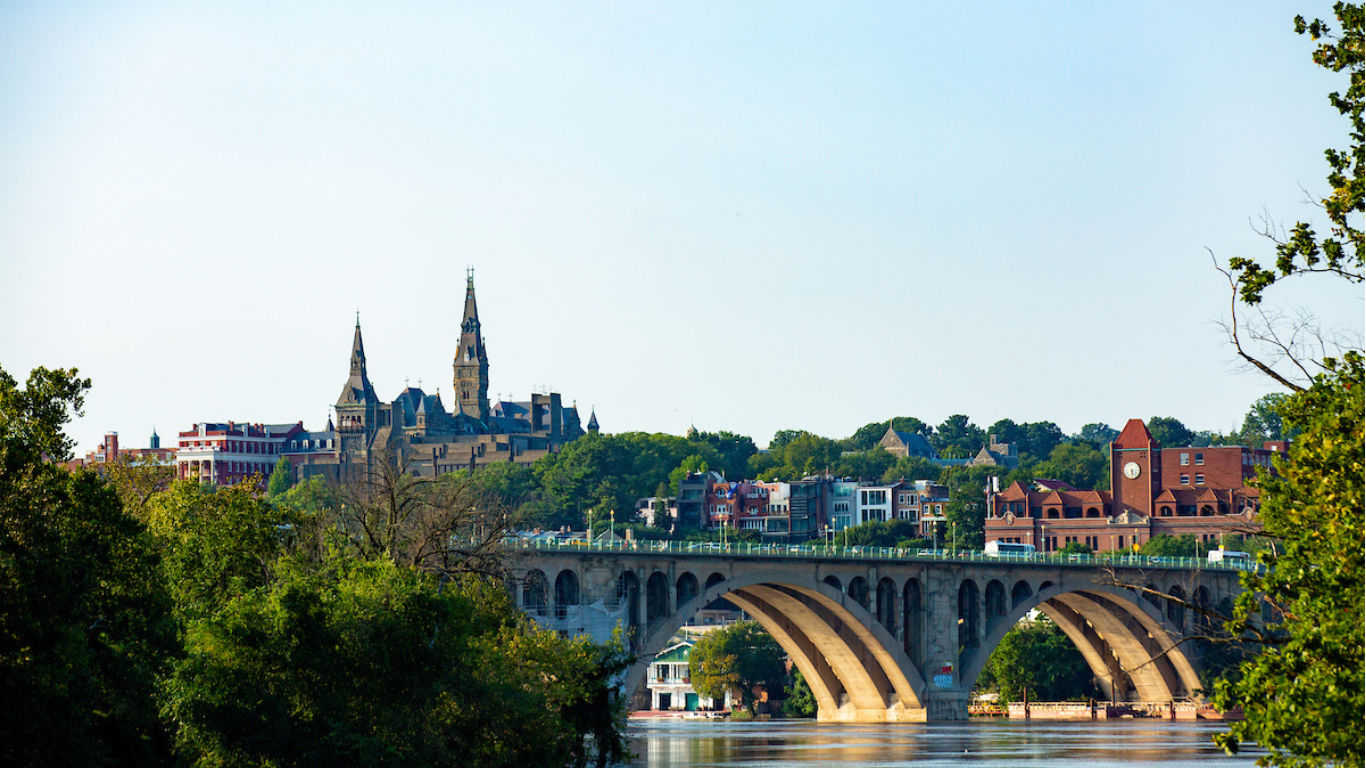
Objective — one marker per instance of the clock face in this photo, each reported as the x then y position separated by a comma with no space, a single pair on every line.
1132,470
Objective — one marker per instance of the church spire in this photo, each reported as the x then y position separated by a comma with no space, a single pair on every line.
357,351
471,360
357,389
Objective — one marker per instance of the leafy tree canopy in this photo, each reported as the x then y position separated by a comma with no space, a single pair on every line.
958,436
1303,695
1098,435
1038,656
85,617
737,658
1170,432
868,435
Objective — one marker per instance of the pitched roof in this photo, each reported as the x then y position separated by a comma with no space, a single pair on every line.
1135,435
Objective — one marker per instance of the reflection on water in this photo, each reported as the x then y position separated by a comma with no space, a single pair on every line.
983,743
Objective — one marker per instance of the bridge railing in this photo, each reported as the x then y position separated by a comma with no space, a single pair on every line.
802,551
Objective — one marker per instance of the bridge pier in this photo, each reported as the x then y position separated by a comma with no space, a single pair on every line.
939,706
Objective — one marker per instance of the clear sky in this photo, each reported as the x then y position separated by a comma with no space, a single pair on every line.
743,216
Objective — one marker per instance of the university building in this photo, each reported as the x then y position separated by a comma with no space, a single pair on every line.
1155,491
415,429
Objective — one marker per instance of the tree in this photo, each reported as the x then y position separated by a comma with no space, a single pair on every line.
1303,695
805,454
734,450
281,478
966,511
1037,656
783,437
738,659
1170,546
868,435
1264,422
1098,435
85,622
1170,432
1077,464
958,436
871,464
365,662
798,699
912,468
1037,439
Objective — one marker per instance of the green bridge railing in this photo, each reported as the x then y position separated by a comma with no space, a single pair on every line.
802,551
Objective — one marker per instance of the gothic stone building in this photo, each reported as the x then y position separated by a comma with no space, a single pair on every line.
416,429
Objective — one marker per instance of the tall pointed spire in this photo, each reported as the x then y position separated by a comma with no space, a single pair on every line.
471,360
357,351
357,387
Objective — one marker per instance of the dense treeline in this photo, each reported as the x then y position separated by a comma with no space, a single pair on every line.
604,476
151,622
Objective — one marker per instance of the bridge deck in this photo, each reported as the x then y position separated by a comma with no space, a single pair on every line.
804,552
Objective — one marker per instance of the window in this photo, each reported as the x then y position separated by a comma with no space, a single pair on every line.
1185,459
1185,479
1199,479
1199,459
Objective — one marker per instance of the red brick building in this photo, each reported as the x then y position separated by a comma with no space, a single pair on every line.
1154,491
227,454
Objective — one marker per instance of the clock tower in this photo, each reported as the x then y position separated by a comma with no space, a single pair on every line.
471,361
1135,469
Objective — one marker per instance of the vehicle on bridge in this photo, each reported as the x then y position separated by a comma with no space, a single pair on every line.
996,548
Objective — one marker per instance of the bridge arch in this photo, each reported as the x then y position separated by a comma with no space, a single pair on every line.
915,649
856,669
685,588
566,593
1124,639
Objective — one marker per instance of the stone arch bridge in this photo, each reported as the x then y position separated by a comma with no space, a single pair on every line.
886,635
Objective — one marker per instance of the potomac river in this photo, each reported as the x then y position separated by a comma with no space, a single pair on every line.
986,743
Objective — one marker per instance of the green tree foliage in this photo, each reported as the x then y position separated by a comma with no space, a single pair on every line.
1165,545
868,435
612,472
1170,432
890,533
1075,548
1036,439
1098,435
966,511
738,659
1038,656
732,449
871,464
798,700
912,468
958,436
1303,695
1264,422
219,543
363,662
281,478
783,437
85,622
805,454
1078,464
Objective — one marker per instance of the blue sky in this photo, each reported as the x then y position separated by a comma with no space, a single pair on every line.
750,217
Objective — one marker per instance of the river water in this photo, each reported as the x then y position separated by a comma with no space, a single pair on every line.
982,743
